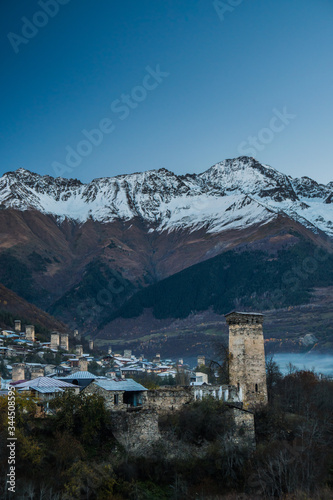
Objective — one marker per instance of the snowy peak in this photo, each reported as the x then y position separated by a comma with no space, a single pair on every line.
231,194
308,188
246,175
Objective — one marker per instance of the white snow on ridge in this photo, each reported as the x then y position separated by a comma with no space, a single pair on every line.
214,213
232,194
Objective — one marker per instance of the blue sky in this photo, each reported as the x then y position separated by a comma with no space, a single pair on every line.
173,84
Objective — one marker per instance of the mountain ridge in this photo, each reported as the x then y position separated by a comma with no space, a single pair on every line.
167,201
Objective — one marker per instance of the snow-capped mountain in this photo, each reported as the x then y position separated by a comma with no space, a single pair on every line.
231,194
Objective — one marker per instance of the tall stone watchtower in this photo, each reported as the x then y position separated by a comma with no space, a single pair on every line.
30,332
247,369
55,340
64,341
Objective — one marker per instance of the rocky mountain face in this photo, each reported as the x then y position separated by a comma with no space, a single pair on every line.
63,242
233,193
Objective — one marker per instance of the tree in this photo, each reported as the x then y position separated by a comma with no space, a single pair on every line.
273,376
220,364
81,415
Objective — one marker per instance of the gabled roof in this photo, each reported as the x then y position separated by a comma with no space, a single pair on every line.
46,390
126,384
45,382
80,375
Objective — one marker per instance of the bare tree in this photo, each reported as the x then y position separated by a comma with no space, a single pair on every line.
220,363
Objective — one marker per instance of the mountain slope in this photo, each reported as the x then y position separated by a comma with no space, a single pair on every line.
251,280
14,307
70,247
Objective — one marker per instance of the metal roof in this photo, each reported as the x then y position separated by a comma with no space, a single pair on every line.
132,368
127,384
46,390
40,382
80,375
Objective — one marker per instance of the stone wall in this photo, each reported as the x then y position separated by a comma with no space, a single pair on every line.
136,431
36,372
164,400
168,399
244,431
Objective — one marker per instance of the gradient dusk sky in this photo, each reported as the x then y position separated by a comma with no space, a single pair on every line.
185,84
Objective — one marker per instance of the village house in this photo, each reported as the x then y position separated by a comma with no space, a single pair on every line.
119,394
199,378
43,388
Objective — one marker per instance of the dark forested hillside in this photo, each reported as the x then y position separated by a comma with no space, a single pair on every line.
254,280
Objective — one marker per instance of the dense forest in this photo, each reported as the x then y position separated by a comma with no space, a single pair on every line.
254,280
73,454
99,290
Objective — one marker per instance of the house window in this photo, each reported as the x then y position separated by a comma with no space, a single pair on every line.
116,399
256,387
237,386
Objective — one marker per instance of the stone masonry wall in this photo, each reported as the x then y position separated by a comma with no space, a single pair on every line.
109,396
244,432
164,400
247,357
136,431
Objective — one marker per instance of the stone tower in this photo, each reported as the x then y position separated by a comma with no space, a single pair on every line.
18,372
17,325
247,369
30,333
79,350
201,361
83,365
64,341
77,335
55,340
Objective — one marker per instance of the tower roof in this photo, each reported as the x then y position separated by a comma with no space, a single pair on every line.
235,317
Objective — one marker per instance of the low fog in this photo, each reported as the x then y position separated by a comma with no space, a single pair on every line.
320,363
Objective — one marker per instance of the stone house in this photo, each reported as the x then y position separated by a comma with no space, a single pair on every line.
119,394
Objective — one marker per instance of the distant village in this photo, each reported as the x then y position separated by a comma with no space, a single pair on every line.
44,370
44,378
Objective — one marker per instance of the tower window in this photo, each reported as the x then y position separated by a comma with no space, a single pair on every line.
256,387
237,386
